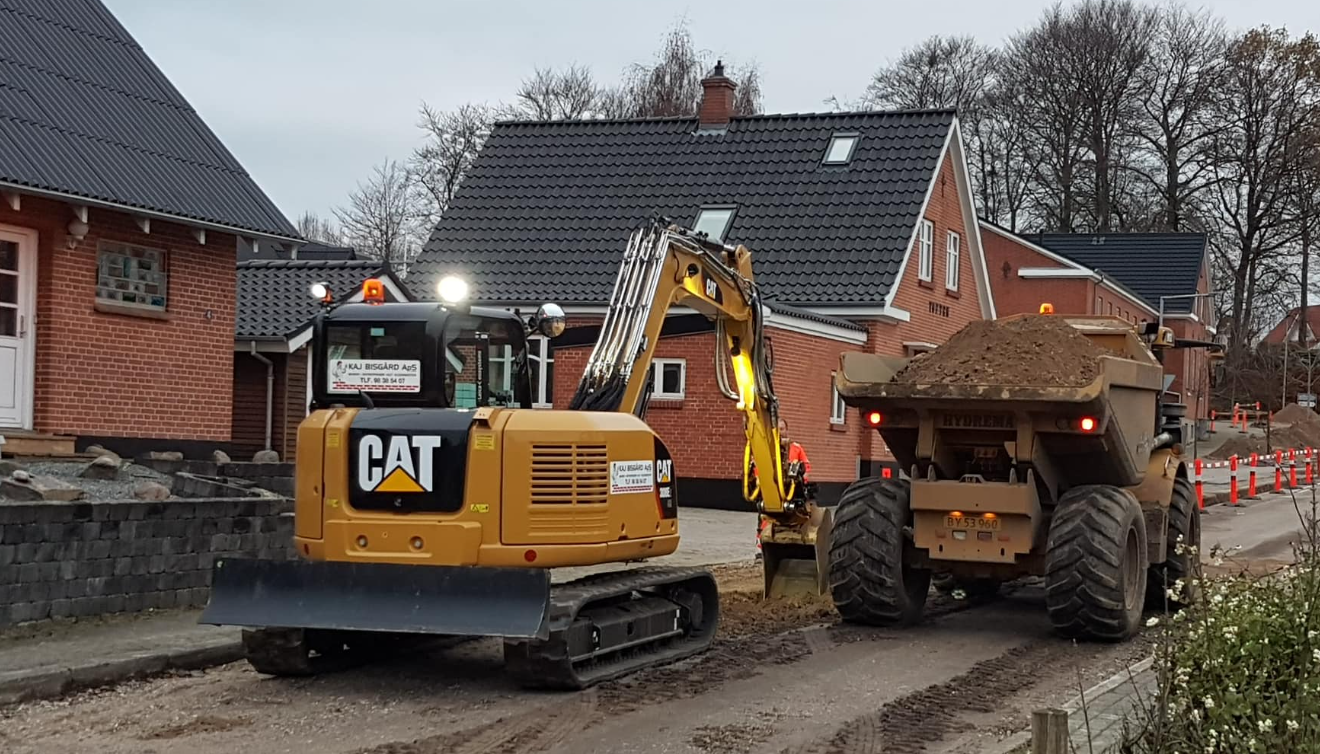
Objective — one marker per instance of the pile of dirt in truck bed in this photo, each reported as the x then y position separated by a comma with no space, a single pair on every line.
1037,351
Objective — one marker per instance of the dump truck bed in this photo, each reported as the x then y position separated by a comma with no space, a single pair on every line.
1099,432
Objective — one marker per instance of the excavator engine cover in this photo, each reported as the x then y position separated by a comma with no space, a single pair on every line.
385,597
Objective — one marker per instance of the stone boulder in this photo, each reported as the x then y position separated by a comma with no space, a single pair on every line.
165,455
29,488
105,468
266,456
7,468
151,492
220,456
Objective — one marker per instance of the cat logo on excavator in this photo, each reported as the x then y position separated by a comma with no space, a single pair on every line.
397,463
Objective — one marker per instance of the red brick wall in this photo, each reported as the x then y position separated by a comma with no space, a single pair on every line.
1017,295
113,375
705,430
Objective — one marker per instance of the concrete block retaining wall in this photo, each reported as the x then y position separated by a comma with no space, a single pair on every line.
60,560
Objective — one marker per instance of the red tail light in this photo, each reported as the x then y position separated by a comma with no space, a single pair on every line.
874,418
1088,424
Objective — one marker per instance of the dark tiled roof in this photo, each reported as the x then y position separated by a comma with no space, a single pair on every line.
792,311
1149,264
84,112
547,209
274,296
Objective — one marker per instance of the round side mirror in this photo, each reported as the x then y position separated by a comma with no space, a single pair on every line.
550,320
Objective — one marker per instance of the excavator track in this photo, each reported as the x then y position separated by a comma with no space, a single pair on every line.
609,625
304,651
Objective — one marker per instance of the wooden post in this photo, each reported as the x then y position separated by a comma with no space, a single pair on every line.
1049,731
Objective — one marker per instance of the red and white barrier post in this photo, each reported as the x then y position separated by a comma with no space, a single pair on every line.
1232,480
1200,487
1212,422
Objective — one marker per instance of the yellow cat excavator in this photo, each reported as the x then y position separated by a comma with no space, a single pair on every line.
432,500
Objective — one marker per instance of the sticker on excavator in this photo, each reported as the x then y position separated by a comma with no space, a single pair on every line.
978,421
629,477
398,464
375,375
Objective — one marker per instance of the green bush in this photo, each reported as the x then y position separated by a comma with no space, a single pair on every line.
1239,670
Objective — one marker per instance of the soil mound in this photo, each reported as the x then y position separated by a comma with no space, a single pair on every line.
1039,351
1295,414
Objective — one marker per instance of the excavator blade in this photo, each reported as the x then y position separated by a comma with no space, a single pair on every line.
387,597
796,559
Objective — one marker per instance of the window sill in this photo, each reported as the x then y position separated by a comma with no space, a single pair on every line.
666,402
838,427
952,293
926,283
106,307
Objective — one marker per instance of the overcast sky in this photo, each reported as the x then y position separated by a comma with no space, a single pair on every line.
309,94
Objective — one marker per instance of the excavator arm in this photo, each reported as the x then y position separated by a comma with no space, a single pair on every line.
664,267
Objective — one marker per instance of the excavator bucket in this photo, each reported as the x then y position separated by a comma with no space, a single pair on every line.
796,559
386,597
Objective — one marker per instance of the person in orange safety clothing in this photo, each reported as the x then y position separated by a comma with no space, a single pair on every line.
793,453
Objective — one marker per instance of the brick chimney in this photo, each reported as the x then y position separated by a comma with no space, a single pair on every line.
717,92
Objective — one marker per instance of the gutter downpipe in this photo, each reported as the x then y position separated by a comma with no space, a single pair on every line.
270,389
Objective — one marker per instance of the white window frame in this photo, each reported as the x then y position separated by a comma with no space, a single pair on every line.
952,260
539,350
926,251
657,379
505,358
838,409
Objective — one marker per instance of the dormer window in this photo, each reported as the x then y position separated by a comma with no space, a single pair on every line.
714,221
841,148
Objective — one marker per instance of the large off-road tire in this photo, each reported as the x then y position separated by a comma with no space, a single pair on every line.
1184,525
1095,564
870,578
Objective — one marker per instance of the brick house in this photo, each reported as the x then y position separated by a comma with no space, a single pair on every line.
120,217
272,336
862,228
1289,326
1115,274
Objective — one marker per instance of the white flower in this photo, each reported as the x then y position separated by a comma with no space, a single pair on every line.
1208,703
1315,654
1265,725
1312,634
1153,622
1293,726
1217,599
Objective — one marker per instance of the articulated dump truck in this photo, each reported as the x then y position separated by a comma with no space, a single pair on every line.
1031,453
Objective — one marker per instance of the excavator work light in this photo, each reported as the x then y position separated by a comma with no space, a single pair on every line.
321,292
373,291
452,289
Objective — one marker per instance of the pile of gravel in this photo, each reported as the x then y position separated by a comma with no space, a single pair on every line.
120,489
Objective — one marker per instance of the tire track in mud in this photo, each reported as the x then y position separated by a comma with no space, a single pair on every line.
908,724
782,641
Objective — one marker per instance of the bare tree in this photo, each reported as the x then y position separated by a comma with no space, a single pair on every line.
670,86
452,142
313,227
548,94
386,217
1035,80
939,72
1270,90
1182,81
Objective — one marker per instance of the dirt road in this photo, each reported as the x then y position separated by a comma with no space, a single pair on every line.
782,677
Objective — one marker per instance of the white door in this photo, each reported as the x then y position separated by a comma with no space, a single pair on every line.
18,277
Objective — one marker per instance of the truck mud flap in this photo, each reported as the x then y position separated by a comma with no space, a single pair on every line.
387,597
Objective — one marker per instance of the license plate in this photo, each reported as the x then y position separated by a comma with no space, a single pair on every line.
975,523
